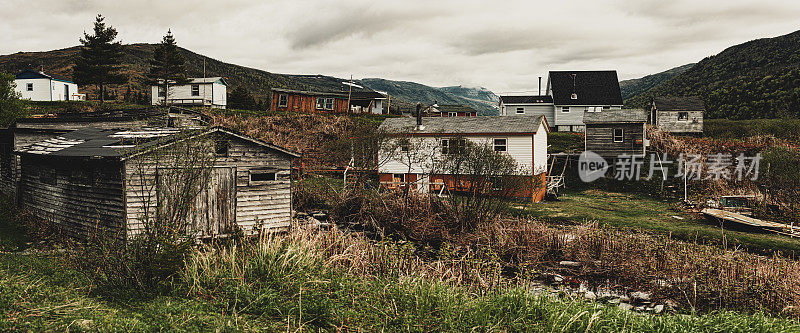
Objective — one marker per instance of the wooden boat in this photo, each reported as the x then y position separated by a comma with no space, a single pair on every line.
735,220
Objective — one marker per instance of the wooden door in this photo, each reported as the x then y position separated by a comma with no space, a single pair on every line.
213,210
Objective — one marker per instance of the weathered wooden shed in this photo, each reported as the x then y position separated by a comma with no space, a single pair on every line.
117,181
616,132
309,101
27,131
678,114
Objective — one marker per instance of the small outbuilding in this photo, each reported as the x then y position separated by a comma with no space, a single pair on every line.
38,86
678,114
616,132
121,181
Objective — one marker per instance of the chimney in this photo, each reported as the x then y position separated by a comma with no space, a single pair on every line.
540,86
419,117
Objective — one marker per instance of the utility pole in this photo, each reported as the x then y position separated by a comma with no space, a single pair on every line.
349,92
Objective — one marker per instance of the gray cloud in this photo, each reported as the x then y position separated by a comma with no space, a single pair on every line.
503,46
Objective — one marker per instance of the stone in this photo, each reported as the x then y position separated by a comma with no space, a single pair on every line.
658,308
625,306
614,301
640,296
639,308
590,295
624,298
570,263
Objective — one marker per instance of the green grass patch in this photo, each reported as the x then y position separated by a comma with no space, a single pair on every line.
639,211
565,142
737,129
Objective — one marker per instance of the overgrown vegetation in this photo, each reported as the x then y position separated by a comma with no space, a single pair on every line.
11,107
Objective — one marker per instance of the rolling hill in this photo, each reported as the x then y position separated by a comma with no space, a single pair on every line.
756,79
480,99
258,82
631,88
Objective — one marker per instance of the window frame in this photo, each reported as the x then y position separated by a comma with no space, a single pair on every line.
257,172
504,145
685,113
221,151
452,114
621,135
195,90
329,101
29,86
520,109
283,100
162,92
565,109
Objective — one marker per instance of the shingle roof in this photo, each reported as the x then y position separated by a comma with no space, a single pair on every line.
670,103
526,99
310,93
116,143
591,87
200,80
615,116
463,125
449,108
367,95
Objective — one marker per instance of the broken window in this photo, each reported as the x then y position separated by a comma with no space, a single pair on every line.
221,148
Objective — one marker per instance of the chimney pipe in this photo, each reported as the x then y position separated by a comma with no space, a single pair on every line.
419,117
540,86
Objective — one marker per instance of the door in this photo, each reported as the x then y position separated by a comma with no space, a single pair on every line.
212,212
66,92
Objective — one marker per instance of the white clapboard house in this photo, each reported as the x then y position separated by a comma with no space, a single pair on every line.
523,138
38,86
210,91
577,92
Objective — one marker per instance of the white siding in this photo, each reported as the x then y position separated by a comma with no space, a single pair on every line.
215,92
220,94
575,115
546,110
46,90
540,150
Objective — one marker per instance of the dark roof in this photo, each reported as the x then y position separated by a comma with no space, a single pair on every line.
444,108
111,115
366,95
463,125
310,93
591,87
670,103
532,99
32,74
615,116
91,142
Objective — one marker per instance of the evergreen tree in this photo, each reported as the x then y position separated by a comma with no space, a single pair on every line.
100,58
167,65
11,106
241,99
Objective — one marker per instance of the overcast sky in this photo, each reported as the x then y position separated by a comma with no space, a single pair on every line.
501,45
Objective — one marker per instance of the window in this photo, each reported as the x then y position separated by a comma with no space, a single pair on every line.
195,90
500,145
574,96
324,103
258,177
404,147
452,146
683,116
221,147
565,109
593,109
452,114
607,107
29,86
520,110
283,100
161,92
618,135
399,178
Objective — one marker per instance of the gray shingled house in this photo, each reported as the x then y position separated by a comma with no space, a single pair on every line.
678,114
616,132
115,181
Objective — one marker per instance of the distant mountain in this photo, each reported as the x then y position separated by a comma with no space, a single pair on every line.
757,79
633,87
480,98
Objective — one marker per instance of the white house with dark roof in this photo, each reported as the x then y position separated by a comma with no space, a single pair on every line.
577,92
38,86
210,91
529,105
524,138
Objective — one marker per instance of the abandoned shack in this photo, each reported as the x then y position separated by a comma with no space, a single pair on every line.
678,114
616,132
27,131
122,182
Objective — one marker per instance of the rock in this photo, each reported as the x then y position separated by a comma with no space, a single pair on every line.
658,308
570,263
640,296
590,295
614,301
556,278
625,306
84,324
639,308
624,298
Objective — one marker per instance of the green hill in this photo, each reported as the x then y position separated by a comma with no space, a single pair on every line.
478,98
633,87
757,79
